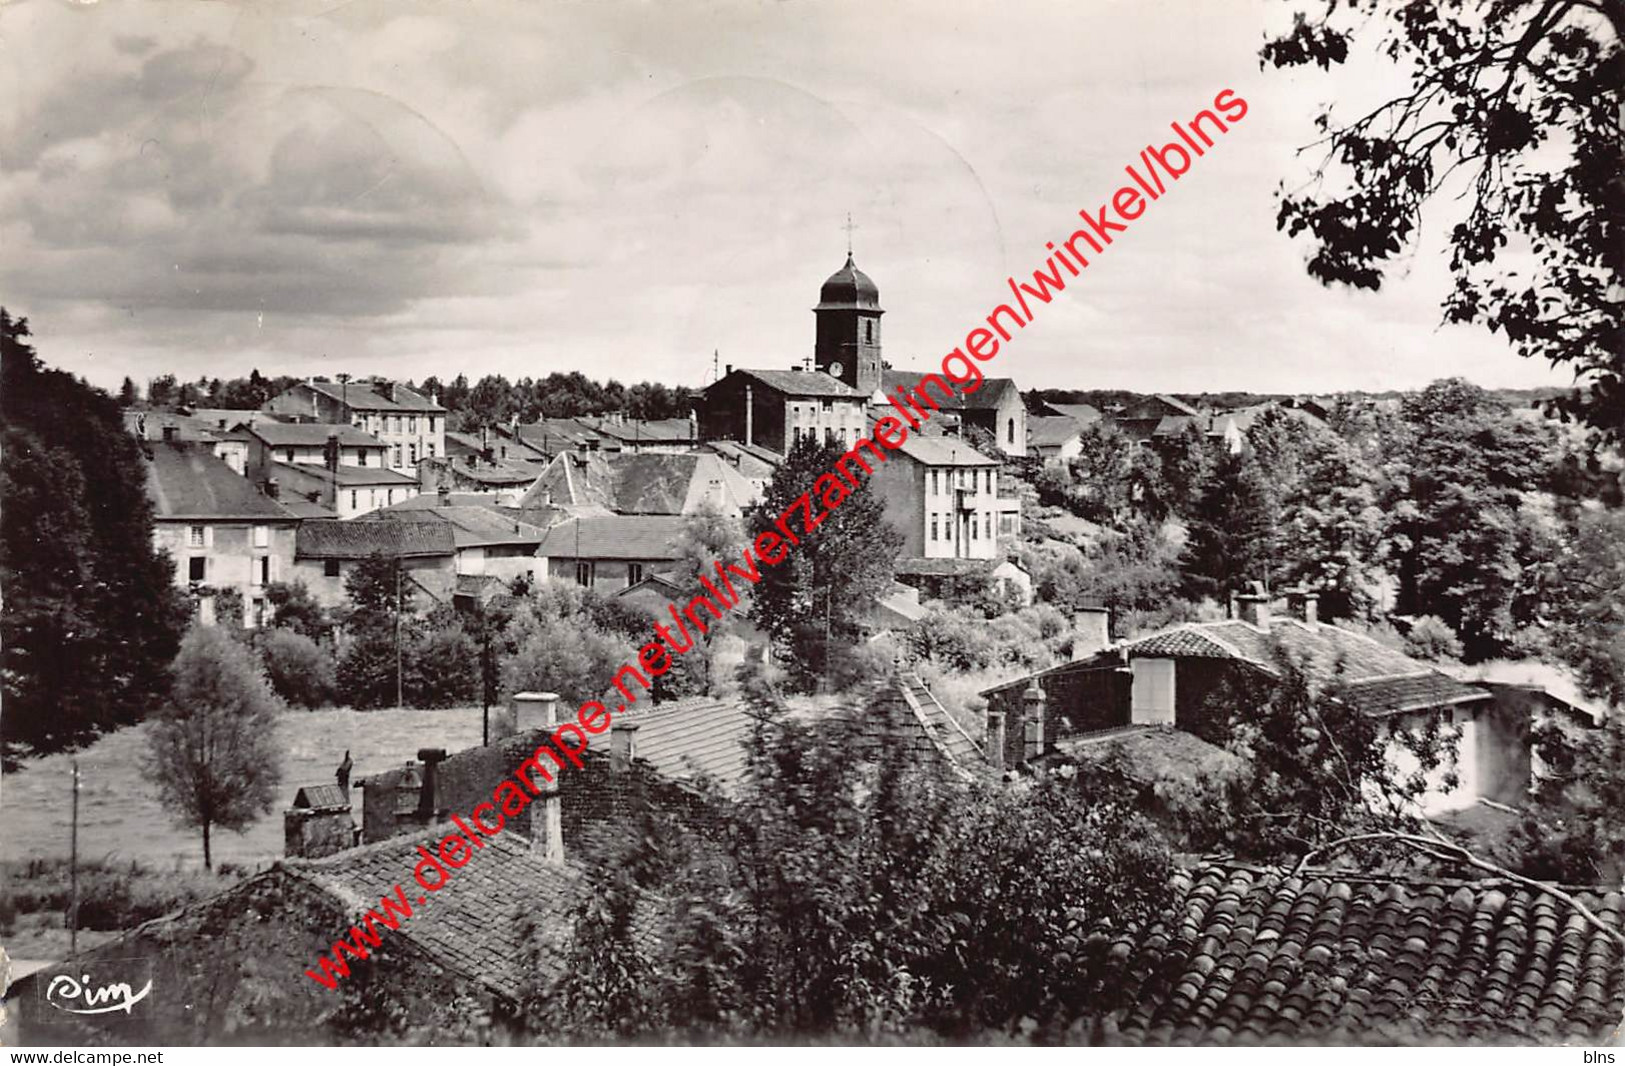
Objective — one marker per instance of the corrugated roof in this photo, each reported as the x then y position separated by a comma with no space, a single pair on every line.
691,738
804,383
1254,956
190,481
313,434
633,537
333,539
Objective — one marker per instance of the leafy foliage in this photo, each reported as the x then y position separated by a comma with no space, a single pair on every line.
1514,106
1588,604
212,753
1572,831
92,619
857,900
300,671
812,602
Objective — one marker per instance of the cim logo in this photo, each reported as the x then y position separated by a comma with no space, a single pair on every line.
79,997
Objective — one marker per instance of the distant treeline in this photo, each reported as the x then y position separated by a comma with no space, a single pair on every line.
1104,398
491,400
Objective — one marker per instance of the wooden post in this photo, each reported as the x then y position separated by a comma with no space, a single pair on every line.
73,869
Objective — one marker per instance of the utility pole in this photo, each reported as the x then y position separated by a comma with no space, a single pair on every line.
73,869
399,701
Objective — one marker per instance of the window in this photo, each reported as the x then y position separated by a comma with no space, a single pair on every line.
990,481
262,570
934,535
829,405
354,502
988,523
868,329
414,453
195,536
361,457
412,424
431,428
1010,432
257,617
197,568
430,446
634,573
287,455
331,568
262,536
936,484
972,527
397,455
584,574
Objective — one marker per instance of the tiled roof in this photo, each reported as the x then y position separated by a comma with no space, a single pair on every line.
475,924
150,425
1153,752
1256,955
347,475
646,431
1368,674
303,508
333,539
943,729
987,396
615,537
1081,413
371,396
804,383
312,796
470,526
642,483
190,481
1417,692
225,418
313,434
943,451
691,738
922,567
1050,431
428,501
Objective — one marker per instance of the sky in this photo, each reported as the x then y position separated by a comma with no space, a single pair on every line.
402,189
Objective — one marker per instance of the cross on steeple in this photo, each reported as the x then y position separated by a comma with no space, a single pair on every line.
849,229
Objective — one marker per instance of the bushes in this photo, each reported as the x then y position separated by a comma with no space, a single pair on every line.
299,669
1431,639
112,896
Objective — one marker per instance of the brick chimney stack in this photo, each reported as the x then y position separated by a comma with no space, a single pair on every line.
1032,701
1253,606
1304,605
1091,631
995,740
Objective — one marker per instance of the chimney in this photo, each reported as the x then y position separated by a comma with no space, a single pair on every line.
431,759
331,453
272,489
1092,632
547,831
1253,607
750,415
444,494
1303,604
170,434
727,369
623,746
1032,701
534,710
995,740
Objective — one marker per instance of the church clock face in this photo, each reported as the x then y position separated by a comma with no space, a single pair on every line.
836,370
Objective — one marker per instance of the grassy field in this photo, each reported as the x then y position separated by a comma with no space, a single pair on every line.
119,818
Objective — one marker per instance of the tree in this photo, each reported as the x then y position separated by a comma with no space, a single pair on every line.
558,646
1460,469
857,900
300,670
1103,473
811,603
162,390
1512,107
381,626
1233,528
212,753
92,618
1587,613
709,536
1316,767
294,608
128,394
1571,831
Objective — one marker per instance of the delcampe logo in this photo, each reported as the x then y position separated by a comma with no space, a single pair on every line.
80,997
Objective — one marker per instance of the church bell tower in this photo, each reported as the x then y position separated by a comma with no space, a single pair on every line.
848,343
